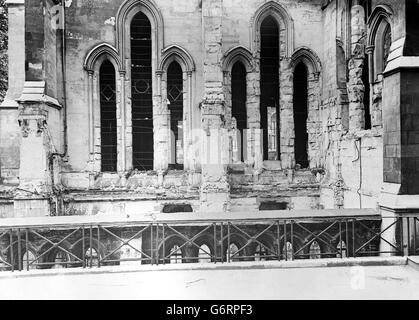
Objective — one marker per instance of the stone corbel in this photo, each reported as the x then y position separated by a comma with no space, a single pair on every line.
24,127
315,76
41,126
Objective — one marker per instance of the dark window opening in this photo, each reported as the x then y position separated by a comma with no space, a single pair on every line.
269,86
173,208
175,99
301,115
367,8
315,250
141,92
273,205
386,45
366,82
341,67
108,117
238,97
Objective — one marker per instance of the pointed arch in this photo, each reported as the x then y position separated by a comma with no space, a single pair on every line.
379,24
179,54
95,59
285,23
380,13
235,54
306,68
126,13
97,53
309,58
183,117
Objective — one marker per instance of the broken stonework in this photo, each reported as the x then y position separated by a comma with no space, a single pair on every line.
215,188
286,114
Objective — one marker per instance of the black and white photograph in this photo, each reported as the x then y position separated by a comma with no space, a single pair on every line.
209,150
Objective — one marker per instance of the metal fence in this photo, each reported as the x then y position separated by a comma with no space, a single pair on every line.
88,245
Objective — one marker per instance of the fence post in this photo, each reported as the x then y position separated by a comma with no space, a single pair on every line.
404,235
215,243
19,250
12,258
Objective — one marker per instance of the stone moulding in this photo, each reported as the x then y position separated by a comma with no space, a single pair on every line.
309,57
34,93
238,53
284,20
97,52
123,21
176,52
380,12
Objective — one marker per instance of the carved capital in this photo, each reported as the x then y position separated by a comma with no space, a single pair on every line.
32,125
24,127
41,124
369,50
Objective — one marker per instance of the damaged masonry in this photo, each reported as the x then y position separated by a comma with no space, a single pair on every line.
210,110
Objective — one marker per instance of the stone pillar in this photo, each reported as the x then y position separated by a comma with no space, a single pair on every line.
254,134
215,189
286,115
16,51
187,132
10,132
161,118
400,194
38,119
314,121
91,122
355,85
122,149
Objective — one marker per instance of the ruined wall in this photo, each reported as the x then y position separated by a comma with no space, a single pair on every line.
354,163
346,160
92,23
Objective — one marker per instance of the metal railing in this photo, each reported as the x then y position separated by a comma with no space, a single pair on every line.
88,245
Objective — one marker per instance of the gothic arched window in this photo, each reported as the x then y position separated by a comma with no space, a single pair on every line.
301,115
382,44
386,45
269,86
175,102
367,92
315,251
238,97
108,130
204,254
141,91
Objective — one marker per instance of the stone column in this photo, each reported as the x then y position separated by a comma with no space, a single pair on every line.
187,132
122,149
161,118
36,112
91,121
286,115
214,193
254,135
355,85
313,120
10,132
